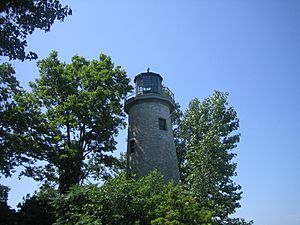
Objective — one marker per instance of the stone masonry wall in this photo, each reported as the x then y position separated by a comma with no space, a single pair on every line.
153,148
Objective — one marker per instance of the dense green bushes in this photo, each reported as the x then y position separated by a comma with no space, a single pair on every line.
126,201
118,201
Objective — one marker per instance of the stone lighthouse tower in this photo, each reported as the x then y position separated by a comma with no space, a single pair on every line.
150,136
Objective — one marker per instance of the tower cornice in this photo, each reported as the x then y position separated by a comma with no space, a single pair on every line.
152,97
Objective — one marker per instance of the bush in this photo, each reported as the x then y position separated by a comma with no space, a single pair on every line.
128,201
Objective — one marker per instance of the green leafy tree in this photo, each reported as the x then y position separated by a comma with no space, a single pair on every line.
4,194
9,88
128,201
118,201
176,118
7,215
71,118
18,19
209,129
237,221
37,209
178,207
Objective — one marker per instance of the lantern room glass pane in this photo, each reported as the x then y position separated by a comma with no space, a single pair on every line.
148,83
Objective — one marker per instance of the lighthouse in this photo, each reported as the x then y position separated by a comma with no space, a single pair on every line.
150,136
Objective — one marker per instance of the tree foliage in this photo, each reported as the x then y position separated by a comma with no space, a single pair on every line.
18,19
63,132
70,119
9,88
4,194
7,214
37,209
209,131
236,221
176,118
127,201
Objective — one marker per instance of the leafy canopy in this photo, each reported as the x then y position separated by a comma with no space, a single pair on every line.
209,133
70,119
9,88
127,201
18,19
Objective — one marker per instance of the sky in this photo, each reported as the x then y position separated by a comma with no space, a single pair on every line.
248,48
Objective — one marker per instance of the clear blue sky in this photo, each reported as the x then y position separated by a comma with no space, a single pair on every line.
250,49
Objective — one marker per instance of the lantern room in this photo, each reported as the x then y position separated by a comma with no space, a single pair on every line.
148,83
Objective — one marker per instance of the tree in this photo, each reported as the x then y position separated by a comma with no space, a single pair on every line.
236,221
128,201
70,119
7,215
176,118
209,130
37,209
178,207
9,88
18,19
4,194
118,201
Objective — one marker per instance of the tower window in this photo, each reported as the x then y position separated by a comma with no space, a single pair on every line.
131,146
162,124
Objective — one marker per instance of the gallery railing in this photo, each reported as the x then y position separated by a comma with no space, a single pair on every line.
166,92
